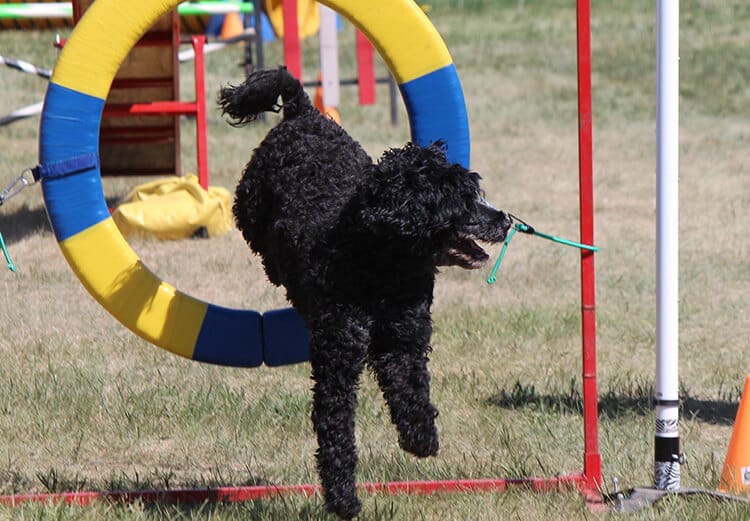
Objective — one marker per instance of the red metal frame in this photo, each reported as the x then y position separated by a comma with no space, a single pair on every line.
588,482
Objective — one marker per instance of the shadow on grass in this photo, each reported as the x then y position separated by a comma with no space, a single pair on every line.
26,221
613,403
22,223
280,507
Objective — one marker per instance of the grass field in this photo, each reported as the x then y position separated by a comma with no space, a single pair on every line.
87,405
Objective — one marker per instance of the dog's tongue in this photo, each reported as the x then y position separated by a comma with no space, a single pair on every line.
465,253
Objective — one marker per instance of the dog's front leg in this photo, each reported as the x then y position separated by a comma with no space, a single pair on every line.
398,358
338,347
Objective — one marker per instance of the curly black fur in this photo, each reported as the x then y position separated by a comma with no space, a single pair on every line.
356,245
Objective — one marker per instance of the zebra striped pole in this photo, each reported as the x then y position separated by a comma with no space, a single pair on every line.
22,113
26,67
29,110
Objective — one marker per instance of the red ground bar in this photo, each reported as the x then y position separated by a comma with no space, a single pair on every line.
257,492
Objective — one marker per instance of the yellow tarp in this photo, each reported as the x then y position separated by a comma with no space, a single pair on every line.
308,17
174,208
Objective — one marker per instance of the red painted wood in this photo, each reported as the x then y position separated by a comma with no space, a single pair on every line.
292,53
365,70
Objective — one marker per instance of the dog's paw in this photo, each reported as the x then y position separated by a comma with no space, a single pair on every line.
421,443
345,506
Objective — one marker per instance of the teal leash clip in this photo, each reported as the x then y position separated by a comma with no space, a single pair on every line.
523,227
492,278
11,266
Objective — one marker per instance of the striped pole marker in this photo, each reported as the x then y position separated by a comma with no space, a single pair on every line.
22,113
26,67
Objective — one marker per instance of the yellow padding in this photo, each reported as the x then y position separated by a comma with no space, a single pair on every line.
174,208
101,41
119,281
401,32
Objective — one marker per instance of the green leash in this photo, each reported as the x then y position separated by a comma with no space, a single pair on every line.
522,227
11,266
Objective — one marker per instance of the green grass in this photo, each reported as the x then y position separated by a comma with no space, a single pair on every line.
86,405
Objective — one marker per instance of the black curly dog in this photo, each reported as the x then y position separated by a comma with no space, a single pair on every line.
356,244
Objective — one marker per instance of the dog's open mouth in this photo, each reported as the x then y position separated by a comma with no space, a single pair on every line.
464,252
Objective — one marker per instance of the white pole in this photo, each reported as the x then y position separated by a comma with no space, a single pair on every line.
667,453
329,57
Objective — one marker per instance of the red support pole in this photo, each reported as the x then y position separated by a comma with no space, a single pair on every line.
292,53
592,468
201,123
365,70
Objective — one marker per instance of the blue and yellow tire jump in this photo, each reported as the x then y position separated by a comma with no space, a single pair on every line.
91,243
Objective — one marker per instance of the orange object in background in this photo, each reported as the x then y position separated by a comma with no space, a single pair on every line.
736,474
331,112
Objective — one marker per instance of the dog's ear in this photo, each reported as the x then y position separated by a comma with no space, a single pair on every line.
415,193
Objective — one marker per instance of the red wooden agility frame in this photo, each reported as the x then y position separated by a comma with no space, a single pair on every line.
175,108
588,482
156,134
365,69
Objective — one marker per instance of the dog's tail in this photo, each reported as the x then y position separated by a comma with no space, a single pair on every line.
260,93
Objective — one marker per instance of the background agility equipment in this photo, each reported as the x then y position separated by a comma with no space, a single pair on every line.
89,239
64,10
140,128
24,66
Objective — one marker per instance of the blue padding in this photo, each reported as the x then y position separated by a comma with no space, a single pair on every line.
231,337
70,128
437,110
286,338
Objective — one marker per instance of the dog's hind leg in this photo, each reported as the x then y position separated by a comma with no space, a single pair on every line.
398,357
338,345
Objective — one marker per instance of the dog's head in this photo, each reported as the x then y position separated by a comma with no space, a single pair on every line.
419,199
